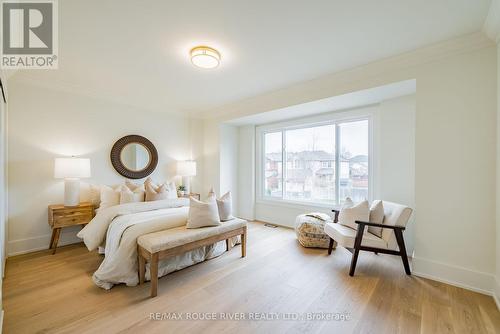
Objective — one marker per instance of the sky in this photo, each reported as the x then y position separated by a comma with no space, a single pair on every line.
353,138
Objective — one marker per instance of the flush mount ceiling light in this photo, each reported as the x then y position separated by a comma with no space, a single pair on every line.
205,57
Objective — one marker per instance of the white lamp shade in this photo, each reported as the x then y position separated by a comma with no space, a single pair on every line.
186,168
66,168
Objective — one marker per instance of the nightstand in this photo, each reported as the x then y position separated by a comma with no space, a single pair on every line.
63,216
195,195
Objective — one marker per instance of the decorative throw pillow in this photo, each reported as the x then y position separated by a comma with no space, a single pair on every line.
172,190
376,216
224,204
129,196
349,215
95,195
158,192
202,214
132,186
109,196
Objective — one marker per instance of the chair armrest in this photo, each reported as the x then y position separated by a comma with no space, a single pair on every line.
336,218
392,227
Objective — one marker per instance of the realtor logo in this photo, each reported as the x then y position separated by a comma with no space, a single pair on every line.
29,34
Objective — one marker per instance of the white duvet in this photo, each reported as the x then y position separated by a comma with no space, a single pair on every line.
120,226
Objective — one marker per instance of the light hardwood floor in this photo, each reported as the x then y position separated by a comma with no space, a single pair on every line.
55,294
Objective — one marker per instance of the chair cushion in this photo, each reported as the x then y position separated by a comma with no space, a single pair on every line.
167,239
345,236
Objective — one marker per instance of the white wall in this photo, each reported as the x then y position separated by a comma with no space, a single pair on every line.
497,276
246,172
44,124
229,163
455,149
395,156
211,156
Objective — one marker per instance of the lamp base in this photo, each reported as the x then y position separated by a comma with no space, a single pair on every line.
71,192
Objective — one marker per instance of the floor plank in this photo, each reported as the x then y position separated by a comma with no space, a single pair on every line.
279,279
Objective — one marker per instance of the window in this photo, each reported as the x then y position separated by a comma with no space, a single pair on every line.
354,160
308,147
323,163
273,186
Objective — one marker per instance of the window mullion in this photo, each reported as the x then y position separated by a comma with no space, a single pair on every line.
283,164
337,163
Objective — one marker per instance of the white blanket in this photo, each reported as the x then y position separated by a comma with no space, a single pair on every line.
121,225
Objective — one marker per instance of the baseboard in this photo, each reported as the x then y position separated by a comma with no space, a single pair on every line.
33,244
496,293
454,275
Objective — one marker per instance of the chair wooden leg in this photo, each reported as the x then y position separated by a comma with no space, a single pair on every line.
244,242
330,246
153,267
357,244
402,250
142,268
354,260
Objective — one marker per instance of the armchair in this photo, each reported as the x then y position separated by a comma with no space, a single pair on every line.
395,219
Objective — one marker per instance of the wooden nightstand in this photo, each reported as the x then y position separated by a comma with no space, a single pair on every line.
195,195
63,216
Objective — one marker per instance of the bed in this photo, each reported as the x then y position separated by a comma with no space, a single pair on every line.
117,228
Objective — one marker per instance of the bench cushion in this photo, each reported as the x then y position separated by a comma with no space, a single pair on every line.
171,238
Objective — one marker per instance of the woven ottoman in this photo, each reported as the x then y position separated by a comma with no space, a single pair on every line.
310,230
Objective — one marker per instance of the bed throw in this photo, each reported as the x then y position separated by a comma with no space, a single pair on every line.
119,227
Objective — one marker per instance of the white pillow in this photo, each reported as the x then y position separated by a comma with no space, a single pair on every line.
129,196
202,214
376,216
172,190
225,207
156,192
132,186
95,195
349,215
109,196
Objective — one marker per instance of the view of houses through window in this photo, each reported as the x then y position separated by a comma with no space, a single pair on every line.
311,171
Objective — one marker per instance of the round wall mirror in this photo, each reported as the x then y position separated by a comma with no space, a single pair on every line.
134,157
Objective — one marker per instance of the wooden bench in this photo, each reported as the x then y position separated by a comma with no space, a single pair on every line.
157,246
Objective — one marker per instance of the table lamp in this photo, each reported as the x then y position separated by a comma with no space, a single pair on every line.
71,170
186,169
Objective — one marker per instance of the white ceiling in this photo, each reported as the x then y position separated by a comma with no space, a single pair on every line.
136,52
336,103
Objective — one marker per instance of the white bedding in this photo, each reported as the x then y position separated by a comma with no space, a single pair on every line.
121,225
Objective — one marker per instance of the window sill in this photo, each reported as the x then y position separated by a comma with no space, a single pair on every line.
297,204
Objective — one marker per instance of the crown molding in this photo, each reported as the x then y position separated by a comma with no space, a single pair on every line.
491,26
395,68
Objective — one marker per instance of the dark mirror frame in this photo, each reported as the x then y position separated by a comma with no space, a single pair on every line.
116,160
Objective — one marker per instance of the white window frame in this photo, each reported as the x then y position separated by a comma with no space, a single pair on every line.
367,113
